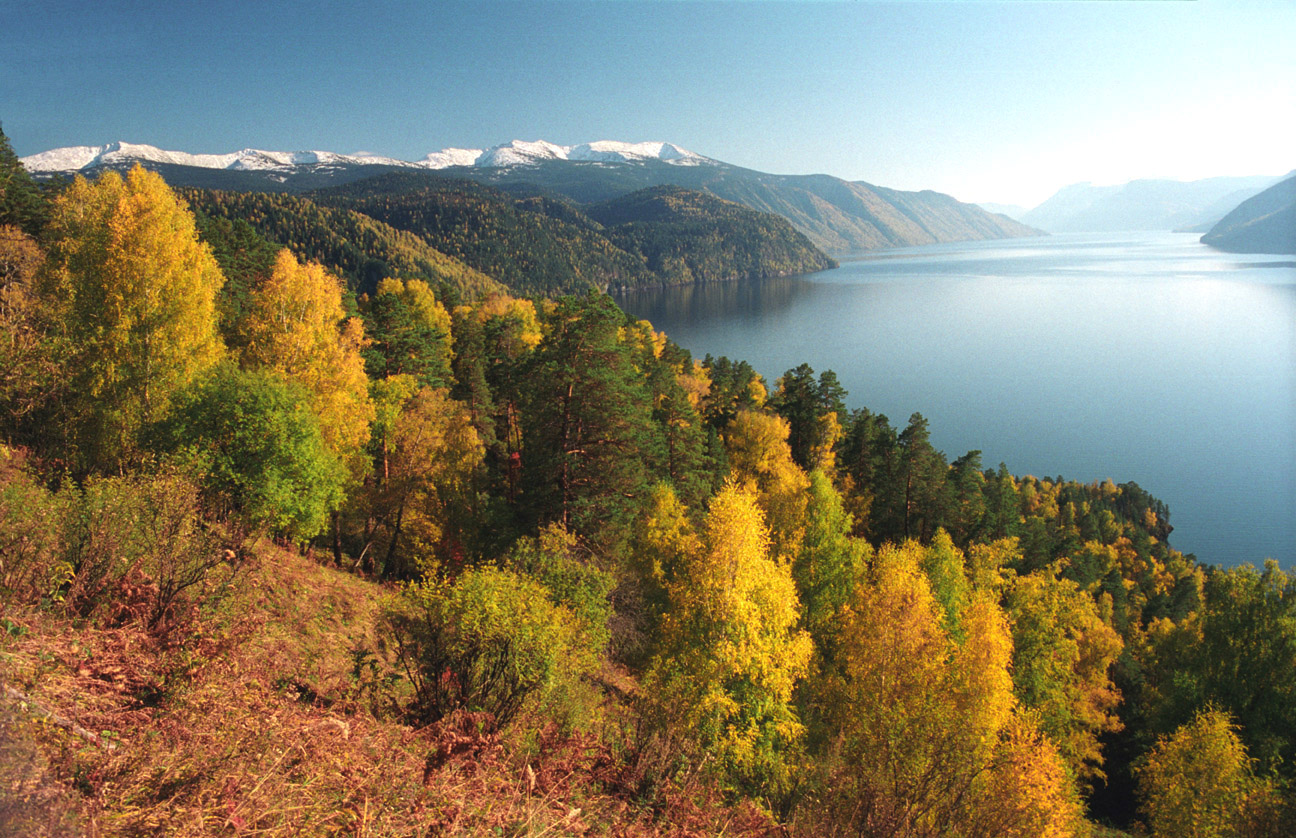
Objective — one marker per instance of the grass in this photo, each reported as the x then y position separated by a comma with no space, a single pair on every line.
274,711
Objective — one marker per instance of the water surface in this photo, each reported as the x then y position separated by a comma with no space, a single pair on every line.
1141,356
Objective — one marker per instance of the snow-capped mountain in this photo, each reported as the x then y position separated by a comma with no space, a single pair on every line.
837,215
514,153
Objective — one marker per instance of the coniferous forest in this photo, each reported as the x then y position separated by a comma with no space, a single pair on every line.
314,521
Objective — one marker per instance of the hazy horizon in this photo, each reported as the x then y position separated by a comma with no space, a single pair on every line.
1001,102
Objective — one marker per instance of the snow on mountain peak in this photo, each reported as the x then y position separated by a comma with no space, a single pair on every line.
611,150
447,157
513,153
520,153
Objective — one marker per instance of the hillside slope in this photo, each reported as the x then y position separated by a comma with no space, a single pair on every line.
693,236
360,249
1265,223
538,244
272,714
837,215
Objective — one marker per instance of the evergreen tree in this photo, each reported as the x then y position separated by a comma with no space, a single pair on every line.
409,331
22,203
590,446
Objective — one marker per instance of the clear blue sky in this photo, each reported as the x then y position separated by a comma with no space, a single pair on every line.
989,101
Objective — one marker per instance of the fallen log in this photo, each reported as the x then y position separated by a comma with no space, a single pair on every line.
36,708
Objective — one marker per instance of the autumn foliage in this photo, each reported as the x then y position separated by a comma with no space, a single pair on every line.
531,547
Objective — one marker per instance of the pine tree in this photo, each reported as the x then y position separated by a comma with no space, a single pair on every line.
22,203
590,446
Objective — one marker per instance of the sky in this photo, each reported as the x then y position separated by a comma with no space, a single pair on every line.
988,101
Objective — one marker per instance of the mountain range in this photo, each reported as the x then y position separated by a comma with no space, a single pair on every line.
1192,206
835,214
515,153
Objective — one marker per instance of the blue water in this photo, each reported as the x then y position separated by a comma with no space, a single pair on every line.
1141,356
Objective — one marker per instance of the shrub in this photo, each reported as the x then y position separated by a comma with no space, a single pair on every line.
29,532
573,583
137,542
484,643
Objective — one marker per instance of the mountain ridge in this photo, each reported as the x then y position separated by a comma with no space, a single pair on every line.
1264,223
512,153
1144,204
836,215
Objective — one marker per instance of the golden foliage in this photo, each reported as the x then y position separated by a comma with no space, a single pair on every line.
1064,652
517,324
730,653
435,450
297,327
1195,782
760,457
26,359
1028,793
695,381
135,294
930,742
422,301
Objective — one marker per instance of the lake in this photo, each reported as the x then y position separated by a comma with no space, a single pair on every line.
1139,356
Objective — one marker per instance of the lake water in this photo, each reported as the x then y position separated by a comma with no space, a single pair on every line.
1143,356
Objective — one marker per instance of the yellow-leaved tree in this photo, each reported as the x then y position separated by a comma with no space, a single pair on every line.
760,458
1196,782
27,361
1063,654
423,502
927,738
133,291
297,327
730,653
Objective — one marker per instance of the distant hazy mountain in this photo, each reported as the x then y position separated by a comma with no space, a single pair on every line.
1013,211
835,214
1265,223
1143,204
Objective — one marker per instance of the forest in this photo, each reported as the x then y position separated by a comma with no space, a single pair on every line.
287,550
473,237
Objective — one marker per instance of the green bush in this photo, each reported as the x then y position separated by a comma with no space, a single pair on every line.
577,585
134,543
257,448
29,533
485,642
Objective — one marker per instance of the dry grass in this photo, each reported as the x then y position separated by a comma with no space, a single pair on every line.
250,716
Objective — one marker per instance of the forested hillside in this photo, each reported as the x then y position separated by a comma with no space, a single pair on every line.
279,562
540,244
692,235
835,214
358,248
